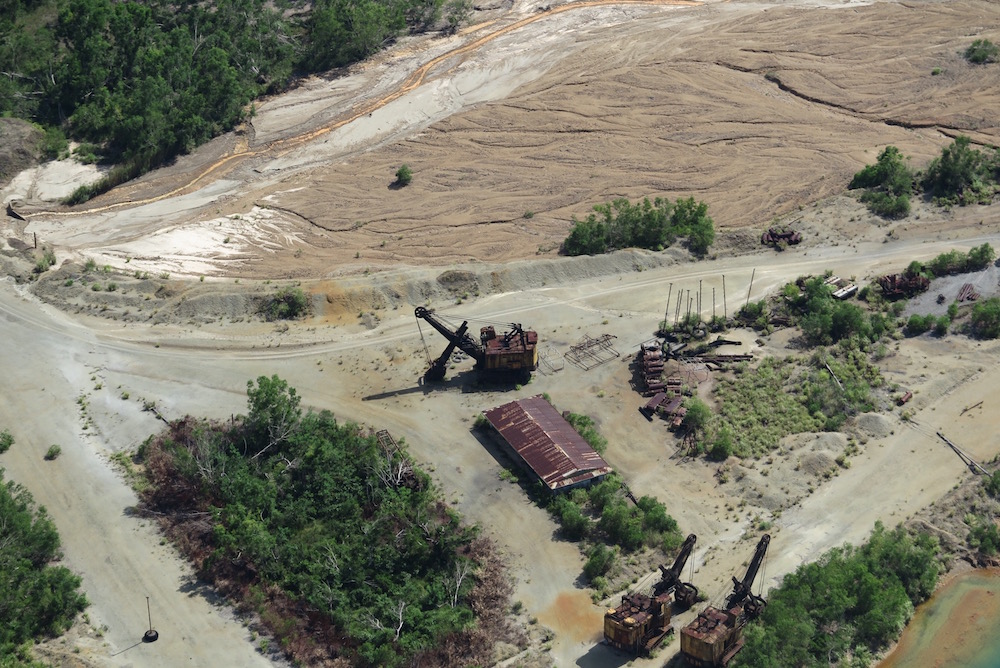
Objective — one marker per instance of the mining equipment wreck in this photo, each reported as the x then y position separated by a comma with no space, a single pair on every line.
642,621
512,353
716,636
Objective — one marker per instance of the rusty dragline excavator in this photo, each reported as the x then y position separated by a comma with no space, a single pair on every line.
715,637
642,621
514,352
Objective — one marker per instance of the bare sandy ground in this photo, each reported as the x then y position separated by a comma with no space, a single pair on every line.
758,108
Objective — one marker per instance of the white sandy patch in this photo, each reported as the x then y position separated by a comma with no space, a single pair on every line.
51,181
205,247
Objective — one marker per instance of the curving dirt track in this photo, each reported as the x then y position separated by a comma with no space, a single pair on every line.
759,108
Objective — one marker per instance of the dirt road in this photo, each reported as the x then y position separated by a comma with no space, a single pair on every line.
193,370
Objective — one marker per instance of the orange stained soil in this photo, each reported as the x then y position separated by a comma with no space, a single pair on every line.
575,617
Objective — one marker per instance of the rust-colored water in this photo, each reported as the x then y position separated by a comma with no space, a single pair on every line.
574,616
959,627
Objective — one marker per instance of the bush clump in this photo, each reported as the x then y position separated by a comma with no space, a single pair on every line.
847,606
985,321
37,600
888,184
982,51
286,304
654,225
404,175
962,174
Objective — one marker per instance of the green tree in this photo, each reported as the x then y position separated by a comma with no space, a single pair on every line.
690,219
274,414
888,183
985,321
960,174
980,257
697,417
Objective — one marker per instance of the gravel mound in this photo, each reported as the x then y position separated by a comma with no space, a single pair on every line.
874,425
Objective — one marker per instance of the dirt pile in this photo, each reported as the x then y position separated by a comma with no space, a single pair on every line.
19,147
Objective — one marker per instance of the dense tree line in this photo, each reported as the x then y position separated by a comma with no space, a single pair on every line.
654,225
960,175
844,608
37,599
147,80
350,531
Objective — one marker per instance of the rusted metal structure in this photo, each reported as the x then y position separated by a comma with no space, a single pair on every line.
591,352
967,293
845,292
515,351
544,443
716,636
651,360
779,235
642,621
898,286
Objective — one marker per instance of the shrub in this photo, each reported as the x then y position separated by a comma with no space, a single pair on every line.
982,51
6,440
404,175
600,559
53,143
985,321
886,205
918,324
647,224
961,174
992,484
53,452
584,426
941,325
889,182
286,304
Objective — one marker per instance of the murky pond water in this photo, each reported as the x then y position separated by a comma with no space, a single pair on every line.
959,627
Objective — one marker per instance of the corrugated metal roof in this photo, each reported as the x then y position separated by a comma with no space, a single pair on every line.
547,442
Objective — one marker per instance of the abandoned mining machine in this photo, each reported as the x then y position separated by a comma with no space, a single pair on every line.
514,352
642,620
716,636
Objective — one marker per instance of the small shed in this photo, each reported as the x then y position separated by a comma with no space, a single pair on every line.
544,443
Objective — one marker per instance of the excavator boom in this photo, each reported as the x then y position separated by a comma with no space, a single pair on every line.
741,588
512,352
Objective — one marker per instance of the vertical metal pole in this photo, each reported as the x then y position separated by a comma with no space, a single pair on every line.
688,316
677,311
752,274
699,299
713,302
666,311
149,614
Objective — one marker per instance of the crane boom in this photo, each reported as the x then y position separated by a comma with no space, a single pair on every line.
512,352
672,576
742,588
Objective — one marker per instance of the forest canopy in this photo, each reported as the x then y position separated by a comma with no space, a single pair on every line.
331,533
142,82
37,599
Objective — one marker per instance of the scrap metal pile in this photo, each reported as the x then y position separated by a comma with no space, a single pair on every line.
775,236
898,286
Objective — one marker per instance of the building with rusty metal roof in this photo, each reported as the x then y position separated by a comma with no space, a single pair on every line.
546,444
